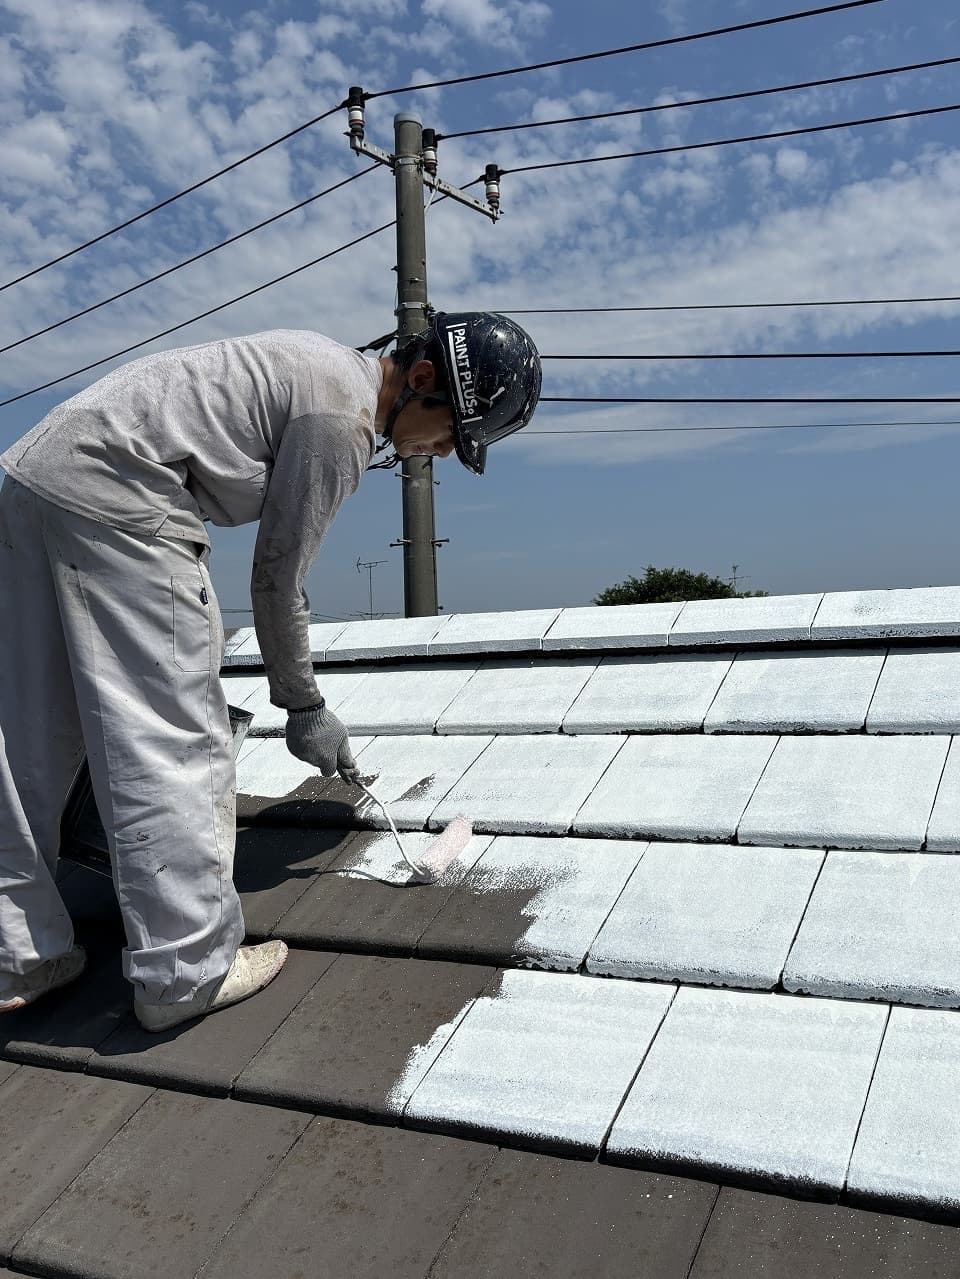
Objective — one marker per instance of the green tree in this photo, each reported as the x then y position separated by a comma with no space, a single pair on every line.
665,585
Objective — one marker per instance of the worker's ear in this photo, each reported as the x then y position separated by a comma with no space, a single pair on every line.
422,376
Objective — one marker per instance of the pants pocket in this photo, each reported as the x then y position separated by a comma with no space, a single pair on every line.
191,621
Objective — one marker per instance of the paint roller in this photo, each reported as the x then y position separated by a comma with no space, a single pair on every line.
440,854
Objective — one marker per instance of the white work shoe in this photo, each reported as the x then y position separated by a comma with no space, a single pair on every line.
253,968
17,990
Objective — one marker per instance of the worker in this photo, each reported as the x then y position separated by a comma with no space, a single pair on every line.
112,643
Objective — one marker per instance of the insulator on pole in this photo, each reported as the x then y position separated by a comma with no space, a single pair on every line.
491,180
355,104
430,151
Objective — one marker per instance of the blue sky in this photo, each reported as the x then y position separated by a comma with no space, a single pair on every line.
110,105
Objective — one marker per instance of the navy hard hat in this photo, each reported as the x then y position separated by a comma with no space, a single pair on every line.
492,371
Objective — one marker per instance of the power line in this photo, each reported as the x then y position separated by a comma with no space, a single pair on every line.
186,261
727,142
769,355
630,48
716,306
193,319
412,88
749,399
746,426
700,102
121,226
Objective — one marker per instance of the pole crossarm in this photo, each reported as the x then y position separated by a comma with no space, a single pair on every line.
362,147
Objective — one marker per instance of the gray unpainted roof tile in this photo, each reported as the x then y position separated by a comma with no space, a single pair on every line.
206,1056
796,691
388,637
943,832
545,1058
410,701
667,694
51,1125
568,1219
852,791
772,619
527,785
617,626
751,1235
517,697
275,865
413,774
881,926
918,692
906,1151
533,901
354,1201
744,1087
676,787
712,914
520,631
158,1198
369,900
365,1035
931,610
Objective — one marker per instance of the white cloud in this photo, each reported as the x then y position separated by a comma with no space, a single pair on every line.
502,24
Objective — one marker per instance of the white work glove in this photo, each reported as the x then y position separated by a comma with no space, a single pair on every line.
316,736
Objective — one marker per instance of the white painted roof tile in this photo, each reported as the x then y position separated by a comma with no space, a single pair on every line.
334,687
413,775
387,637
712,914
266,768
547,1057
929,610
853,792
247,651
796,691
496,632
239,689
617,626
907,1147
408,701
524,696
918,692
753,1084
736,621
676,787
667,694
881,926
573,884
236,640
527,785
943,831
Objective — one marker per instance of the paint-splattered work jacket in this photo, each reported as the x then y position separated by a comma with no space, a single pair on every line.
276,427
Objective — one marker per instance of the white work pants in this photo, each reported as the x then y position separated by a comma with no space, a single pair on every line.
111,643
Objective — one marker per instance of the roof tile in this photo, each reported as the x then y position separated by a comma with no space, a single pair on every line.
881,926
770,618
676,787
931,610
918,692
854,792
666,694
796,692
528,785
500,632
906,1151
744,1086
517,697
544,1058
616,626
715,914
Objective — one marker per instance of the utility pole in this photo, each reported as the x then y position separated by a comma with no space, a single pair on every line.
369,565
414,164
419,532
